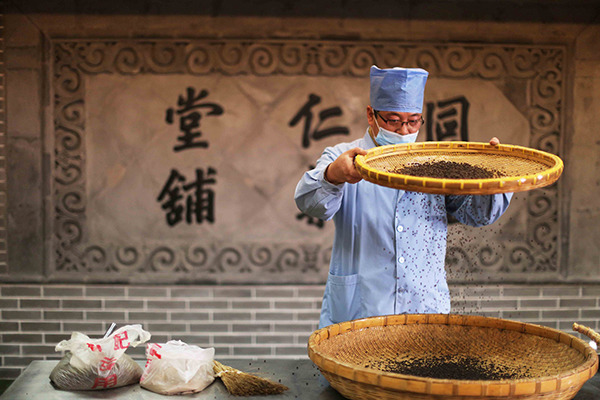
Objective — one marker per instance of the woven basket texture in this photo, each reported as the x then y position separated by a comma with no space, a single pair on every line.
522,168
360,358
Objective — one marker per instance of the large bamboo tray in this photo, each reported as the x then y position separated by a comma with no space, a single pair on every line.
525,168
558,364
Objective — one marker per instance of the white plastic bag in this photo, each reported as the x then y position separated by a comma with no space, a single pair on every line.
177,368
94,364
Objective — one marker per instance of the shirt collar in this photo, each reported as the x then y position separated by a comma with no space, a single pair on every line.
369,140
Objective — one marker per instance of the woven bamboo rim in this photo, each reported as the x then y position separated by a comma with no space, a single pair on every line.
357,382
526,168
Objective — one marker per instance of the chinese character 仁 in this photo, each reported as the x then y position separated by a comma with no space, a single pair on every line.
316,133
189,118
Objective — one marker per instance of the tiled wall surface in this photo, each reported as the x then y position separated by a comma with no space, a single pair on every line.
239,321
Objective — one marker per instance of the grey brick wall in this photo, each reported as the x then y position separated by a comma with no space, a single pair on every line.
238,321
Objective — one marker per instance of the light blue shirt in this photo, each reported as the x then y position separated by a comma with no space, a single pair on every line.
389,247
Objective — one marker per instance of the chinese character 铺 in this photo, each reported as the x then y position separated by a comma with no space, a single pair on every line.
198,204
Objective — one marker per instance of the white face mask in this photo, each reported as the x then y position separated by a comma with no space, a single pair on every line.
388,137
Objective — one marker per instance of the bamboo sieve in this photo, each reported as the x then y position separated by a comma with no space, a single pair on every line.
557,363
523,168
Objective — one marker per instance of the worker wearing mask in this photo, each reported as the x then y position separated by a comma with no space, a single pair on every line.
389,247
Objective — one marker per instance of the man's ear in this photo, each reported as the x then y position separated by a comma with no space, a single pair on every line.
370,115
371,120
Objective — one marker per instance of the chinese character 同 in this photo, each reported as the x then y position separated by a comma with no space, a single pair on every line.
317,133
189,118
198,204
447,119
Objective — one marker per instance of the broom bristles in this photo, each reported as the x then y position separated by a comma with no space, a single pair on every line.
240,383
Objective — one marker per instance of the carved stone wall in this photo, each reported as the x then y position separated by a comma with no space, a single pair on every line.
533,75
3,174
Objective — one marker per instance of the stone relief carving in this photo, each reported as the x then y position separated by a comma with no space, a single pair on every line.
3,173
539,67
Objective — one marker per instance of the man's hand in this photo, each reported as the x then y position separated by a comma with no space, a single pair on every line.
494,141
342,169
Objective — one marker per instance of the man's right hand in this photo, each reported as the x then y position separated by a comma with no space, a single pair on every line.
342,169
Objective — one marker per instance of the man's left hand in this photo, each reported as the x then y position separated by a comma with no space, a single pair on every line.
494,141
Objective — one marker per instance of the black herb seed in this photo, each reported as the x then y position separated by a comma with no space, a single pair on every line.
448,170
452,367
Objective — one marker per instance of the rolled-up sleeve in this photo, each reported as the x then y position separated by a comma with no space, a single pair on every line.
478,210
315,196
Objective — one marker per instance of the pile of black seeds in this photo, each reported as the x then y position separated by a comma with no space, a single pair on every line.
451,367
448,170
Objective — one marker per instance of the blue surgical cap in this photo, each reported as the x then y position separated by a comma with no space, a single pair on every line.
398,89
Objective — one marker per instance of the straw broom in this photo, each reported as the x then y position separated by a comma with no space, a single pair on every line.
240,383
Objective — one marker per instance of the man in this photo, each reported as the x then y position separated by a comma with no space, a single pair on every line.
389,247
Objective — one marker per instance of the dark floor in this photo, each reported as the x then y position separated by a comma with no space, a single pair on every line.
4,384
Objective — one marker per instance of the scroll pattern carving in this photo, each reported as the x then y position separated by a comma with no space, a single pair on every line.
540,67
543,65
4,268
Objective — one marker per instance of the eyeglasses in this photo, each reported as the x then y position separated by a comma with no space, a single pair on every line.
412,124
